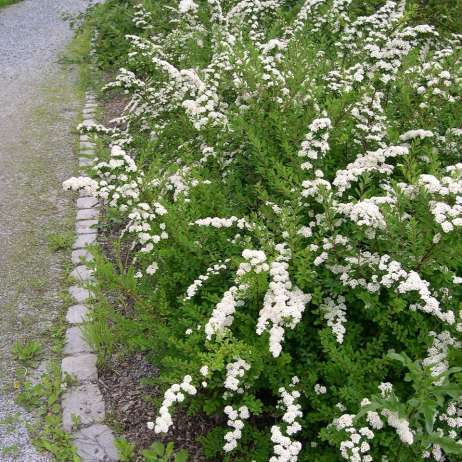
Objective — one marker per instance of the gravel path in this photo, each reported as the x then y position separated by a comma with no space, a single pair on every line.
38,106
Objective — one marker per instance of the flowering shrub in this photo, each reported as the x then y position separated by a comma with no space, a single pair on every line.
289,182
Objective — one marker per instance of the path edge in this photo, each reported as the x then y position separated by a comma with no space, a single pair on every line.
83,408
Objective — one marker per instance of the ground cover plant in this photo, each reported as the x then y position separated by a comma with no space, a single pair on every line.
284,188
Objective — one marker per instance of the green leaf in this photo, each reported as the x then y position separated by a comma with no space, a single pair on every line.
168,450
429,412
182,456
157,448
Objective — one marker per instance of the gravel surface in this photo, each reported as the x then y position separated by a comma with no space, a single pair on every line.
39,103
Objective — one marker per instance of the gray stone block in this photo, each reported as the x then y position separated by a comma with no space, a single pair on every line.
86,202
83,240
77,314
83,193
96,444
85,403
82,273
79,294
87,145
88,122
81,367
81,255
86,226
87,214
75,342
85,162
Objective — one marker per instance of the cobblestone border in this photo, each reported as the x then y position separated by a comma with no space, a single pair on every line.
83,401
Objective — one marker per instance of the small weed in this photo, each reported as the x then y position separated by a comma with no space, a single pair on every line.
27,353
10,451
76,421
112,421
44,398
101,338
10,421
126,450
60,241
157,452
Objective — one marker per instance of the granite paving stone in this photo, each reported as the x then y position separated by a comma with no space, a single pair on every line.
85,403
84,239
79,294
81,367
77,314
80,256
96,443
86,202
75,342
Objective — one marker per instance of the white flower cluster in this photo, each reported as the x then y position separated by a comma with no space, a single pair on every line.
393,275
327,245
236,419
217,222
447,216
374,420
271,55
119,180
435,453
179,184
370,130
199,282
142,18
316,142
400,425
320,389
187,6
283,305
316,188
255,260
335,315
363,213
234,373
140,224
206,109
250,13
82,183
386,389
372,161
286,449
453,418
445,186
438,354
307,11
356,448
433,82
448,425
416,134
175,394
223,314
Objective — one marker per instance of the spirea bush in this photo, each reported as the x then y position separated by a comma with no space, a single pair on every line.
287,181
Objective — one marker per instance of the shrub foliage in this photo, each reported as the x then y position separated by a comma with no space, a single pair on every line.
286,176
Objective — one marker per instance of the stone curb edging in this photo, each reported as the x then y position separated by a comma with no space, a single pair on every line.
83,403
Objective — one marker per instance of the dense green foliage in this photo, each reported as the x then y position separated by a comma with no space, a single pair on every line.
252,171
